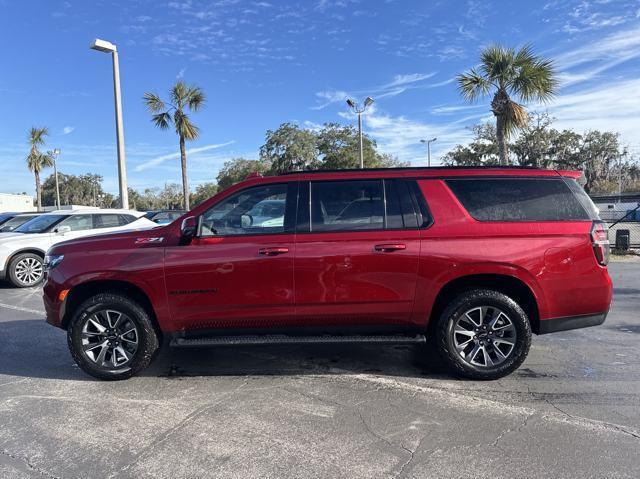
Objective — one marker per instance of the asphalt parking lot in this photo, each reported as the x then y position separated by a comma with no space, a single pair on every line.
572,410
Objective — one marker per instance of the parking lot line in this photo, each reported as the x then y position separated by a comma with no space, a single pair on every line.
20,308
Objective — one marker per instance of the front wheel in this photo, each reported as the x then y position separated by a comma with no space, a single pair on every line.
483,334
25,270
111,337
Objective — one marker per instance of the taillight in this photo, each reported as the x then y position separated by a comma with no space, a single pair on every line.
600,242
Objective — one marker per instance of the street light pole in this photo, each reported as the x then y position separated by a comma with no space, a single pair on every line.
360,110
428,142
54,155
108,47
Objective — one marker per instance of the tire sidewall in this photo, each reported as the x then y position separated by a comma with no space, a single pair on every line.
12,270
476,298
147,338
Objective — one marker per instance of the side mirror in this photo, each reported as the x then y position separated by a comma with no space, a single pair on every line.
189,227
63,229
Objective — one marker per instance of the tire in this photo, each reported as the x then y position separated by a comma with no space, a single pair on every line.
26,270
489,354
124,352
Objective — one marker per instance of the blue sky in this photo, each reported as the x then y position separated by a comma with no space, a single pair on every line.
262,63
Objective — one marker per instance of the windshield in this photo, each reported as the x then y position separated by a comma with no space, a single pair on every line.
14,222
40,224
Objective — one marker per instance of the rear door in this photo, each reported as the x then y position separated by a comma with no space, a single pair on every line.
357,252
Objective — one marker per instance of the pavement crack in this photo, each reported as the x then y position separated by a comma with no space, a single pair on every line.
508,430
29,464
408,462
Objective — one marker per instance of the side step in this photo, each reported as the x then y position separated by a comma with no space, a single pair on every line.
281,339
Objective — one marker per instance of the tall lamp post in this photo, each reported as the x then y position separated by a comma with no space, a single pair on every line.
108,47
360,110
54,155
428,142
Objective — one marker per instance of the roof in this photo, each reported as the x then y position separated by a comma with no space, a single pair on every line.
93,210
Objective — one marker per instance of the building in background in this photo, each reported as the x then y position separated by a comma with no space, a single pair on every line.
9,202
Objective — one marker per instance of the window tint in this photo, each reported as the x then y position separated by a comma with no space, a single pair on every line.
518,199
126,219
77,222
583,198
106,221
347,205
257,210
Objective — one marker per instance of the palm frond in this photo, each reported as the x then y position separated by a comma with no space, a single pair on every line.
472,85
184,127
36,135
515,117
179,94
153,102
162,120
195,98
497,64
536,80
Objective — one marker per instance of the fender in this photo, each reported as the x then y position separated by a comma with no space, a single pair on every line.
461,270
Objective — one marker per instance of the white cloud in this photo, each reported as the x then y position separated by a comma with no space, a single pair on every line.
172,156
330,96
181,73
410,78
67,129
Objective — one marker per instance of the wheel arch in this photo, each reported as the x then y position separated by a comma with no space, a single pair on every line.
512,286
37,251
82,291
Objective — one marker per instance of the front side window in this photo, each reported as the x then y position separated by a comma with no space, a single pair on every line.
347,205
257,210
77,222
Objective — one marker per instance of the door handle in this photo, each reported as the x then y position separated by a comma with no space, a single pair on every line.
273,251
388,248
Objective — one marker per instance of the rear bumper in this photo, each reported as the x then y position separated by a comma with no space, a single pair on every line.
554,325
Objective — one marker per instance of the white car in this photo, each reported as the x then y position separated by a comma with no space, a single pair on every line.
22,251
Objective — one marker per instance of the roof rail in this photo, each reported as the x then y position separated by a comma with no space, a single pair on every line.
253,174
409,168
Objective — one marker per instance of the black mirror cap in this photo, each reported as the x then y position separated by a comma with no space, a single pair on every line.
189,227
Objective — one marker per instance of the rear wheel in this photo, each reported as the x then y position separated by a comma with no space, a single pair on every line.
483,334
25,270
111,337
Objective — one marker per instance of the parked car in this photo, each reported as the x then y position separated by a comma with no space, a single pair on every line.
469,260
164,217
10,221
22,252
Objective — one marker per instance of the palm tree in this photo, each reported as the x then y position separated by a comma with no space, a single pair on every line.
182,97
509,73
36,160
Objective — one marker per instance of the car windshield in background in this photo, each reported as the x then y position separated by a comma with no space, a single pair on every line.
40,224
13,223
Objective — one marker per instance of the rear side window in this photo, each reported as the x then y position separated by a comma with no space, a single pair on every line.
518,199
106,221
347,205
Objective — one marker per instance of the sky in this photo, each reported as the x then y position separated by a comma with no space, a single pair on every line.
262,63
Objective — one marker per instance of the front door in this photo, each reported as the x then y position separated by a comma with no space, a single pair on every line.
238,272
357,253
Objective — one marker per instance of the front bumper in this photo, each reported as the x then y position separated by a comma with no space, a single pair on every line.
554,325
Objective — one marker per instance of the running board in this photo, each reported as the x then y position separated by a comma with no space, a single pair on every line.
281,339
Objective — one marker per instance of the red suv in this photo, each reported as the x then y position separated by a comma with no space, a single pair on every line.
472,259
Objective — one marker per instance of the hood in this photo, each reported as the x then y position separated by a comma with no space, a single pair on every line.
6,238
131,238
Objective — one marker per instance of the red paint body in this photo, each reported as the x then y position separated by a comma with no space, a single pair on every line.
387,278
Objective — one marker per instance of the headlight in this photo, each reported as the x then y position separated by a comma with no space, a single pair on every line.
52,260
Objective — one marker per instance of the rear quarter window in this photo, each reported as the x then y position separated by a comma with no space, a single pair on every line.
519,199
